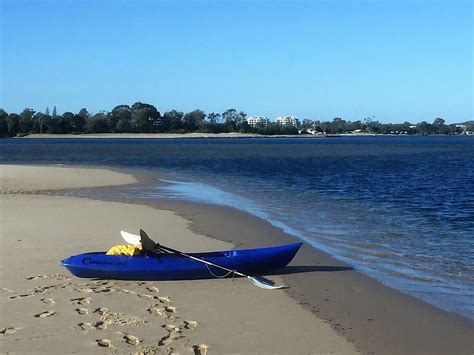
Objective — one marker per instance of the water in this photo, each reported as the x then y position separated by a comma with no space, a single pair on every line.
400,209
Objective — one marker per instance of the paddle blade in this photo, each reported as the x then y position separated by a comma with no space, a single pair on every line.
131,238
263,284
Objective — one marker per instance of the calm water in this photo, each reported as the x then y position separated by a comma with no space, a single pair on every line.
400,209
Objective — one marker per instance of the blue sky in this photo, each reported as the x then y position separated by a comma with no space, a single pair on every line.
395,60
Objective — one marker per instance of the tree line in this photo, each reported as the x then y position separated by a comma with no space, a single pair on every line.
145,118
371,126
138,118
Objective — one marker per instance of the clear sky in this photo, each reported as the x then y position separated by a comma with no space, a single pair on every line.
395,60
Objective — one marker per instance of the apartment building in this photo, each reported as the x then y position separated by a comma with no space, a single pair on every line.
287,120
256,120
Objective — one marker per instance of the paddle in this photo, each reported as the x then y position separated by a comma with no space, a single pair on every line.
132,239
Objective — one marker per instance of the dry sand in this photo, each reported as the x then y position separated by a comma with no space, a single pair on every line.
44,309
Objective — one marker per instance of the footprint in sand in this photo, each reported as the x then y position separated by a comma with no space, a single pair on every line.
147,350
85,326
45,314
85,290
190,324
164,299
6,289
170,309
105,343
22,296
103,289
101,325
171,328
101,310
36,277
157,311
81,300
82,310
166,340
145,296
153,289
200,349
124,290
132,339
43,289
9,330
174,332
48,300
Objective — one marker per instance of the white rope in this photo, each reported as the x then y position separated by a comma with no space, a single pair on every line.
217,276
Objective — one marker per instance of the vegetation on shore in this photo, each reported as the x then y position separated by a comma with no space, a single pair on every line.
145,118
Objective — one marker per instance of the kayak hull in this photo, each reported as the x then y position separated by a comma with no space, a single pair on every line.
173,267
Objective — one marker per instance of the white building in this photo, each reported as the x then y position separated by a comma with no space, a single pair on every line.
256,120
287,120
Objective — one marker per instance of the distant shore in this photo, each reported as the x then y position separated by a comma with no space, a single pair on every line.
201,135
144,135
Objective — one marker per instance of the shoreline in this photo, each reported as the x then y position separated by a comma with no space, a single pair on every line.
44,309
358,307
372,316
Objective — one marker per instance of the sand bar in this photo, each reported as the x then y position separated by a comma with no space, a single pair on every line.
24,179
44,309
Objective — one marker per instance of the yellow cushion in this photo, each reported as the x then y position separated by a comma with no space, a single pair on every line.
128,249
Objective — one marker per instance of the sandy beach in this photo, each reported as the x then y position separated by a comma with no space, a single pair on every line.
45,309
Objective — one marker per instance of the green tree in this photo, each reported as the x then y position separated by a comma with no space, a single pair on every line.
121,118
12,124
439,127
66,123
193,120
40,119
84,114
98,123
214,122
230,118
173,121
78,124
145,118
51,124
3,123
424,128
26,123
439,121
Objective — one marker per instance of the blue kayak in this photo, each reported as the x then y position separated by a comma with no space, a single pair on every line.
175,267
